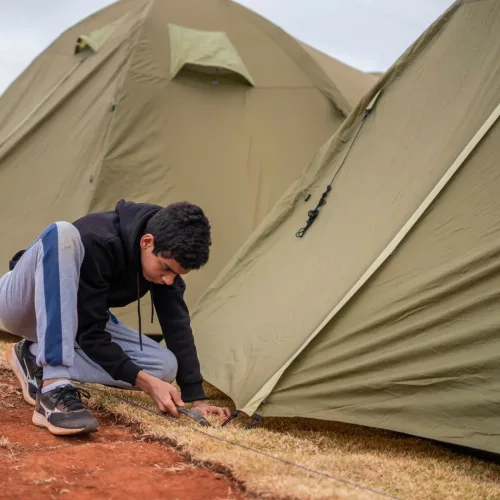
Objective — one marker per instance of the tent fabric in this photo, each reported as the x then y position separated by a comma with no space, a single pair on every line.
206,49
78,132
414,348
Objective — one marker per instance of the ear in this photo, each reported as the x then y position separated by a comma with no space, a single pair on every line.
147,241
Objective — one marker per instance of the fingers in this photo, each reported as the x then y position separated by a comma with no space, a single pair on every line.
170,408
222,412
167,397
176,397
218,411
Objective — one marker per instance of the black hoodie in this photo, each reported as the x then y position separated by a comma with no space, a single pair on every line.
111,276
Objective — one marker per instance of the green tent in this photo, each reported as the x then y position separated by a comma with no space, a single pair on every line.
164,100
386,312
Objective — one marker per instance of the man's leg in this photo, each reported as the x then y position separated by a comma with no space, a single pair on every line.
17,316
154,359
38,300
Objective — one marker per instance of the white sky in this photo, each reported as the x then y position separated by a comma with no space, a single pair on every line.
367,34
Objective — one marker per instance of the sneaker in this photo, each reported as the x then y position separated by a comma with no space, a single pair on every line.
23,364
62,412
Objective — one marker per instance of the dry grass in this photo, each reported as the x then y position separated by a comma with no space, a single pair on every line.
400,466
5,443
9,449
3,345
48,480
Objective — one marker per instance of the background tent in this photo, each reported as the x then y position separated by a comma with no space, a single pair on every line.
346,78
386,312
160,101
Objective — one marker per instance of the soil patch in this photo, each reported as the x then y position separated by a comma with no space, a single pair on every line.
113,463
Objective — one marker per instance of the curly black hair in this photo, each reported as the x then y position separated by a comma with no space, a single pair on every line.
182,232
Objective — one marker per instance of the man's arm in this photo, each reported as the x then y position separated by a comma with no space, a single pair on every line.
175,322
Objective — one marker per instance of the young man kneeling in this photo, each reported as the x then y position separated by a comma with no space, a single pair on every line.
57,296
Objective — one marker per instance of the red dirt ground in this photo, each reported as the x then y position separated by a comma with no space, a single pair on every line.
110,464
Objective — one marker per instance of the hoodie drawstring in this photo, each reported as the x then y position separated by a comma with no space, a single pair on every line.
139,310
139,307
152,306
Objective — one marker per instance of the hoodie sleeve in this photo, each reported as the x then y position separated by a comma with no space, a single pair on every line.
92,337
175,322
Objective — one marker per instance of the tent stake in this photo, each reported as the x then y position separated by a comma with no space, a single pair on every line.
231,417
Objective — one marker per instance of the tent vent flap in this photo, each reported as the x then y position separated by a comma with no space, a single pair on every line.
209,52
96,39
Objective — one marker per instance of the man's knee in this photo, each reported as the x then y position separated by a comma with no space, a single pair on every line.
68,234
167,366
69,239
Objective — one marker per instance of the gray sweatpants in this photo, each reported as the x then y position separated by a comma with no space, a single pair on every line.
38,301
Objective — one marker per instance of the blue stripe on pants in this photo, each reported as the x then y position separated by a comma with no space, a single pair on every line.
52,292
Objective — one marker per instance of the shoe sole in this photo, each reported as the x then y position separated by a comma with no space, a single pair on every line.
41,421
19,373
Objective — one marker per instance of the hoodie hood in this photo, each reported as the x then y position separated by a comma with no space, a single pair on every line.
133,218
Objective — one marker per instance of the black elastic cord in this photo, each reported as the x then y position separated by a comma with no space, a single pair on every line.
312,214
152,307
139,310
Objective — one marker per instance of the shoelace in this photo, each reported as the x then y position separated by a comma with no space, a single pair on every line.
70,397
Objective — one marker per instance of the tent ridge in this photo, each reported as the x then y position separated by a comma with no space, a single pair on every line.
318,76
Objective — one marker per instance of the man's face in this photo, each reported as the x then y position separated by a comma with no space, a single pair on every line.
155,268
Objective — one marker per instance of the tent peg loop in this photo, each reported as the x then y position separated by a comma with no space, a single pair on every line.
256,420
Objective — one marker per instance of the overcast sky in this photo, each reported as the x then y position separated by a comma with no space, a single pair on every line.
367,34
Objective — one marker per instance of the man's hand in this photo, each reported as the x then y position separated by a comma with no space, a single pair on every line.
165,395
205,408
